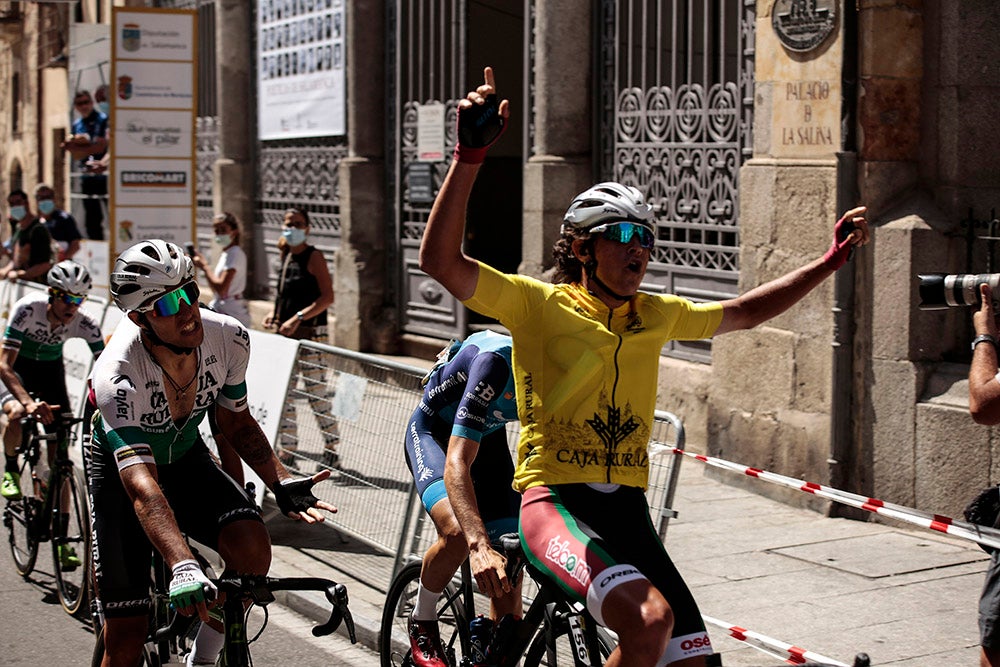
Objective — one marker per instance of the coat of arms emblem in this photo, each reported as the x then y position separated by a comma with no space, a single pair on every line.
131,37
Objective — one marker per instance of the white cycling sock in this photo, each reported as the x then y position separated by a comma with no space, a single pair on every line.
206,646
425,608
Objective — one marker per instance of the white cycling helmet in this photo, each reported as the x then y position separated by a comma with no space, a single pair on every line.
147,271
608,202
70,277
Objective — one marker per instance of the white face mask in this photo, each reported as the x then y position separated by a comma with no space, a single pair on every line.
223,239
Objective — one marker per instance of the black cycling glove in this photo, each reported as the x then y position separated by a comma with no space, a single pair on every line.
295,495
479,127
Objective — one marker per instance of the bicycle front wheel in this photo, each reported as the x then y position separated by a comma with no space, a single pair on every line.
565,647
23,517
393,639
71,542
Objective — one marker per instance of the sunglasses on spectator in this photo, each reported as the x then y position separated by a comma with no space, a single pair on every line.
623,232
170,303
67,298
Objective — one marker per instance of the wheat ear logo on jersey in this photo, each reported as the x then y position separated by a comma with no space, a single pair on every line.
613,431
558,552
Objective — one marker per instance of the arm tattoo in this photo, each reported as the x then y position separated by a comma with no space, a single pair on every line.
251,444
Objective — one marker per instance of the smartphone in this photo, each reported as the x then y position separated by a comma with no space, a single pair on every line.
190,249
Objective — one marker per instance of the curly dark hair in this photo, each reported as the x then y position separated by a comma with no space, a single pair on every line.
568,268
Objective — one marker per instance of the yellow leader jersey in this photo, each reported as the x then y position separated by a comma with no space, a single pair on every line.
585,375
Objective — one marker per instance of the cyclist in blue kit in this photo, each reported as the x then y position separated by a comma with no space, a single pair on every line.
456,447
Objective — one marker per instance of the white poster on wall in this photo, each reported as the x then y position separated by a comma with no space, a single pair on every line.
301,80
153,148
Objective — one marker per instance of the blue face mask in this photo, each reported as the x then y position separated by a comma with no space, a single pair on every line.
103,107
46,206
294,235
18,212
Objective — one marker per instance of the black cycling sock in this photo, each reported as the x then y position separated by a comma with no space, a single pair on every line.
62,524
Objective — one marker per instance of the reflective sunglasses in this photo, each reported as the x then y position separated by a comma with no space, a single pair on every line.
622,232
170,303
67,298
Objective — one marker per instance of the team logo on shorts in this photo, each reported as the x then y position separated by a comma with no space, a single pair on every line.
558,552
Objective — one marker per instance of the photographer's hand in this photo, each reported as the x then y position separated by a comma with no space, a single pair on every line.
984,320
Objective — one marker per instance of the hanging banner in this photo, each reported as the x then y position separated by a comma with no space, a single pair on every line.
301,84
154,71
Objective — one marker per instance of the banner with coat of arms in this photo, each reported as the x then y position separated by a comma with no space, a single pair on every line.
153,114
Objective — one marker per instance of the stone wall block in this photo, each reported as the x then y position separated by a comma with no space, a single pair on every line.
977,44
952,455
758,180
754,369
784,441
914,240
550,184
683,388
889,118
893,39
562,122
893,412
762,117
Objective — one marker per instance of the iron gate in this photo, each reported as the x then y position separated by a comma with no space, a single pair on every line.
427,61
676,113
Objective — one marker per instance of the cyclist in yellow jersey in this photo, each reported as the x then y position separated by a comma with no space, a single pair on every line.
585,354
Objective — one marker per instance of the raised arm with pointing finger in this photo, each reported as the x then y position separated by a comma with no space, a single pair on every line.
586,357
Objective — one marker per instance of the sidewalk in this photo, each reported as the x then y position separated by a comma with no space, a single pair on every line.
836,587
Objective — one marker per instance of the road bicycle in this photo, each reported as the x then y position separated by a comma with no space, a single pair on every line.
170,634
53,509
553,631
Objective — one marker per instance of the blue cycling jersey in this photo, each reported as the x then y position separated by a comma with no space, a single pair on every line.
474,390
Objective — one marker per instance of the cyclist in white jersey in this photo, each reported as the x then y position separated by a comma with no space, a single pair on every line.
32,358
31,365
153,480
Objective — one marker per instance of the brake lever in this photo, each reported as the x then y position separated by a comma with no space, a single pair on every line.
337,596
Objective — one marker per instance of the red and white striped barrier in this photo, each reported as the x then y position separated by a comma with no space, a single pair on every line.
790,653
942,524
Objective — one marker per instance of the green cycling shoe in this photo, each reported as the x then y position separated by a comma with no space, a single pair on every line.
10,487
68,559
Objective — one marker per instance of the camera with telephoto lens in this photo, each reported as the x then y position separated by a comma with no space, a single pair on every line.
939,291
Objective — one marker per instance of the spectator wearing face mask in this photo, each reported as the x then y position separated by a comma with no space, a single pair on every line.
30,242
229,278
61,225
305,291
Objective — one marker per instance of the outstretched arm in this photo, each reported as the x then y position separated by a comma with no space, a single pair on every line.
771,299
481,121
245,435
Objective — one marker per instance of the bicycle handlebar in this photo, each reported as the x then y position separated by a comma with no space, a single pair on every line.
260,590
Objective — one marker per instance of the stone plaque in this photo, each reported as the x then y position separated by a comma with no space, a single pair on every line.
802,25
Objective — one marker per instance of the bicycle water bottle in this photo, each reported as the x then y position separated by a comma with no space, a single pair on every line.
480,634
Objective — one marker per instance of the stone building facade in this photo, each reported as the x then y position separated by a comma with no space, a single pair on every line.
854,387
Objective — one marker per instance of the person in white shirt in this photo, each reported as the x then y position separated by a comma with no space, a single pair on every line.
229,278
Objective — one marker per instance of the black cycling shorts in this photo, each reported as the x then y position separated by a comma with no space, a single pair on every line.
203,498
491,472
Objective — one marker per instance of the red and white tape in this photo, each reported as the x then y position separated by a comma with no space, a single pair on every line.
790,653
942,524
